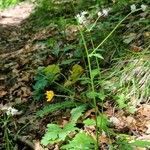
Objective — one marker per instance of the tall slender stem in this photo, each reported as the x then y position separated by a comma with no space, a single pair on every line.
92,85
113,30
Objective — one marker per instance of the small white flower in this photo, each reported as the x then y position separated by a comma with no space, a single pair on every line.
81,18
105,12
99,14
12,111
9,110
83,13
133,8
143,7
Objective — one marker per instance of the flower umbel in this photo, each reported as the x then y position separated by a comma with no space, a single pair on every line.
10,110
143,7
81,18
133,8
49,95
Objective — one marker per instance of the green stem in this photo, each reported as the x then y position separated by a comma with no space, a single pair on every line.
70,97
93,24
92,86
113,31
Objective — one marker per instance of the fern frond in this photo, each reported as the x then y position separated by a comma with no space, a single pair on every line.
54,107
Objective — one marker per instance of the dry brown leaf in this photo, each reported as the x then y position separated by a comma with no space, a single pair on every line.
38,146
3,93
144,110
104,139
135,48
88,113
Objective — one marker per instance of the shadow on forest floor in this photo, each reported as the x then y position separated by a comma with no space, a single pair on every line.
12,23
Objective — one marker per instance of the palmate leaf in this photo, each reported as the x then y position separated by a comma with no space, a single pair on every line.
54,133
81,141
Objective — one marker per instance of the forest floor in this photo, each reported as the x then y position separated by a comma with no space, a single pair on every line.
21,52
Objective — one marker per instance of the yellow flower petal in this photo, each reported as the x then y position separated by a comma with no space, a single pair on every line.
49,95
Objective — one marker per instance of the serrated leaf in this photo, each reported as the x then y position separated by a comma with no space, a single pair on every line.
95,72
93,95
55,134
89,122
77,112
51,134
121,99
54,107
51,69
102,122
76,72
81,141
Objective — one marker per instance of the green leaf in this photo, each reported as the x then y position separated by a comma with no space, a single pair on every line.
51,135
101,95
55,107
76,72
69,61
93,95
102,121
55,134
121,99
129,38
51,69
140,143
81,141
95,72
89,122
96,55
77,112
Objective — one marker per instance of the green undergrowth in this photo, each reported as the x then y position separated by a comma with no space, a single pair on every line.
95,62
7,3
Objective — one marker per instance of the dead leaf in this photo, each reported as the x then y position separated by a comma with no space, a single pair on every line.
38,146
3,93
136,48
144,110
104,139
115,121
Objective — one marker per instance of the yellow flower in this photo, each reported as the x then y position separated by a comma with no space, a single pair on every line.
49,95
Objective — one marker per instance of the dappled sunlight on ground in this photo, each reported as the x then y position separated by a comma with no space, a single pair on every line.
15,15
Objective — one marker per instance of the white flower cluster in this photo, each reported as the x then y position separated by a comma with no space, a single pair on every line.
84,20
81,18
104,12
10,110
133,7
